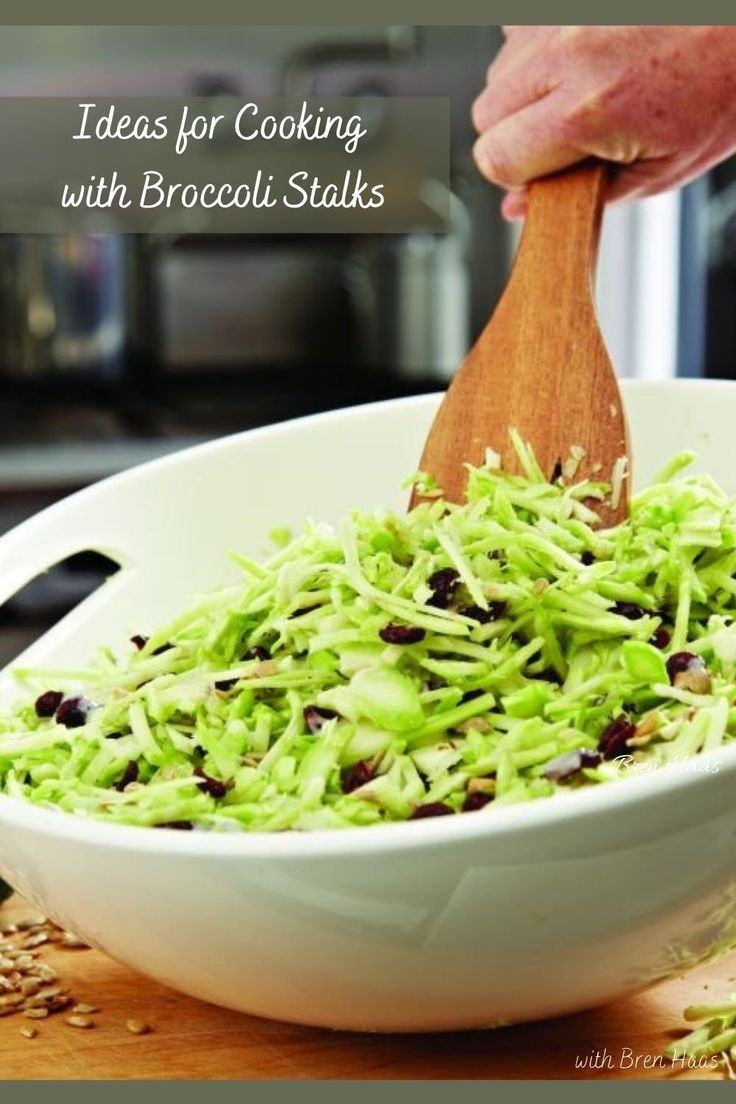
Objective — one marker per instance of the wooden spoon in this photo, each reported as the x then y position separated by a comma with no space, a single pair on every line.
540,365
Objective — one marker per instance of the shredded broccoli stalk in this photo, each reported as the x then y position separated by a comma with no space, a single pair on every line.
715,1037
402,665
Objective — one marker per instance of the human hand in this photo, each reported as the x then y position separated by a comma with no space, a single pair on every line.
657,102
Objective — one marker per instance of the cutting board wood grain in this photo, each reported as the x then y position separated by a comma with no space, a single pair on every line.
192,1040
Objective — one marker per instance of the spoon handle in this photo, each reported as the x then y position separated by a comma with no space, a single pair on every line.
545,256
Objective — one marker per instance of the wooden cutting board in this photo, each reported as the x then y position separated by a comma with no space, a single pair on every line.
192,1040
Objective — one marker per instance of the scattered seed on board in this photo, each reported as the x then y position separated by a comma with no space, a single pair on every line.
47,995
36,940
72,941
80,1021
31,922
27,983
138,1027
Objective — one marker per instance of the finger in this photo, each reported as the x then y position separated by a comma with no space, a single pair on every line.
514,206
648,177
527,145
518,77
503,97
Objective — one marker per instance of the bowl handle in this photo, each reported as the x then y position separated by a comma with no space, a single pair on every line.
37,545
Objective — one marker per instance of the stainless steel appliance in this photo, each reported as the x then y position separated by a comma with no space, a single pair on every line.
63,304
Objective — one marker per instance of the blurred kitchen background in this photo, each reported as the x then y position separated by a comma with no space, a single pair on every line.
117,349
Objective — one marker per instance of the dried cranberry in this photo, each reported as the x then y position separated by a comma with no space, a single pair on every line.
629,610
48,703
402,634
442,584
613,742
431,809
475,801
73,712
257,652
212,786
352,778
477,613
587,558
316,718
225,684
683,661
571,763
179,825
689,672
661,637
130,774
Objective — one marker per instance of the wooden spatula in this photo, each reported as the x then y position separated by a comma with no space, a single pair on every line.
540,365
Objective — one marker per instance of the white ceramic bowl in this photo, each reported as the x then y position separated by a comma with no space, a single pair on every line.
515,914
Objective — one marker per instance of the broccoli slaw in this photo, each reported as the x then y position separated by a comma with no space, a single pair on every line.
453,659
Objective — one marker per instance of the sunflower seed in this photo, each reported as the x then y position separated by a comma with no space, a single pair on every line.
38,1000
32,922
138,1027
45,972
11,1000
79,1021
72,941
36,940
